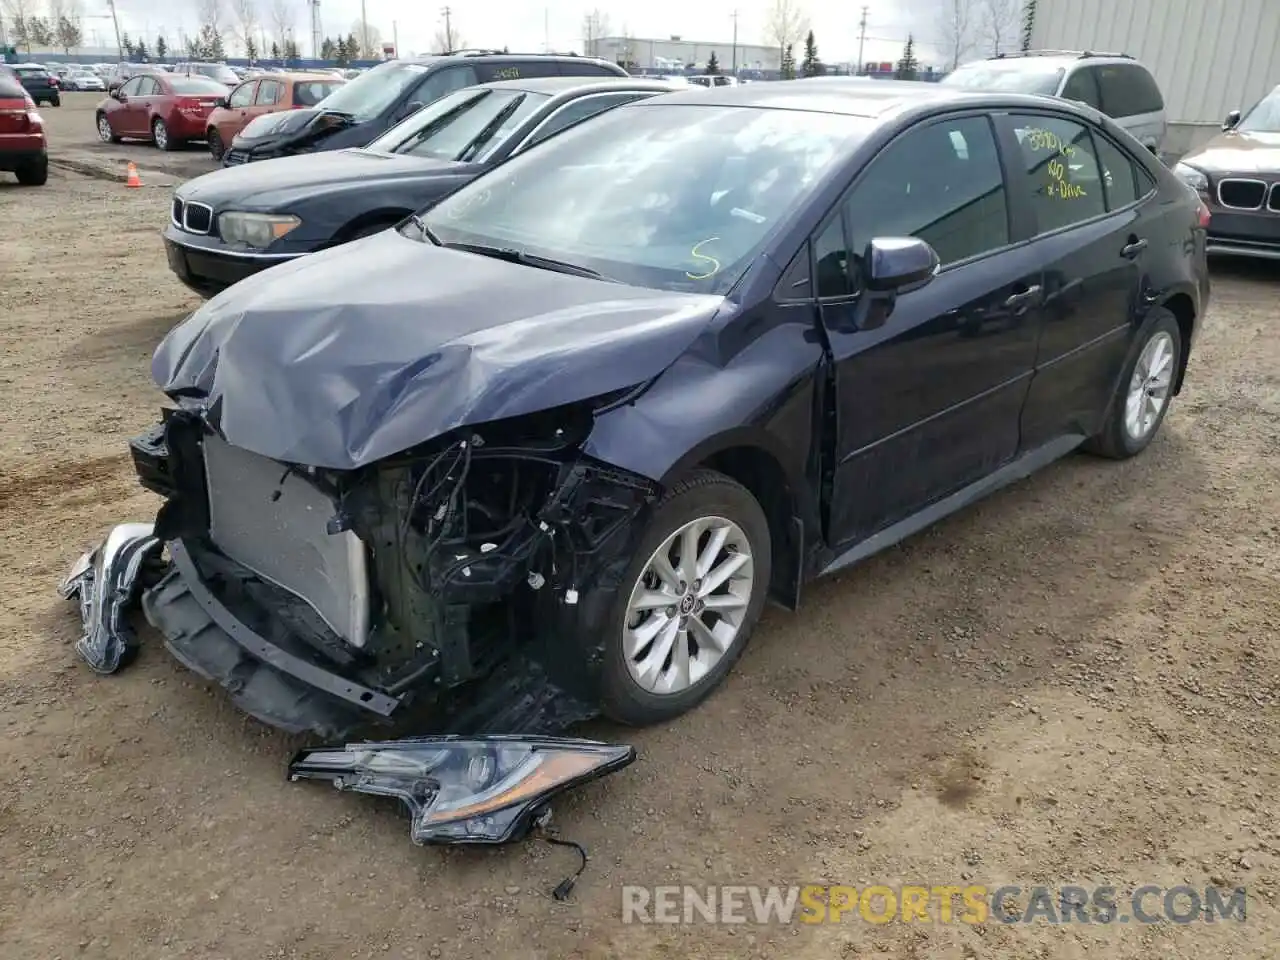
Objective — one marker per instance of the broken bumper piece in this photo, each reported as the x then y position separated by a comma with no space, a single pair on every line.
484,790
105,581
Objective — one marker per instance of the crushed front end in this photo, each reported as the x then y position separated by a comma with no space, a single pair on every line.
443,587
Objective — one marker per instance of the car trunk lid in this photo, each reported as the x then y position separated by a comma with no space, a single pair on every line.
14,116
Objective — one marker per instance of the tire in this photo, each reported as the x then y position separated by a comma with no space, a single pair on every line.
56,101
33,173
216,147
1160,340
104,130
704,496
160,136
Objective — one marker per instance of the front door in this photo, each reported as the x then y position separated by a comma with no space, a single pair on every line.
239,103
930,401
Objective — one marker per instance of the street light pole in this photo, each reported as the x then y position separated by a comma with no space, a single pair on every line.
115,21
862,39
364,30
734,16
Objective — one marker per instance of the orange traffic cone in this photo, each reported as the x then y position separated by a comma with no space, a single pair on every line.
134,180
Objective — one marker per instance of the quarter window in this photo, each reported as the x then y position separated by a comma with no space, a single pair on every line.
1083,86
1061,171
577,110
1124,180
831,254
942,183
1127,90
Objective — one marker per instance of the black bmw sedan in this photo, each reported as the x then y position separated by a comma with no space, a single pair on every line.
237,221
589,412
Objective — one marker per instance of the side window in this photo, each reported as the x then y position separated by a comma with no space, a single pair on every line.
1062,171
147,87
242,96
578,110
942,183
1083,86
567,69
1127,89
268,93
445,80
1125,181
131,87
834,265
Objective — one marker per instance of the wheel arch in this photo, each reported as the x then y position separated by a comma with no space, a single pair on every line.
1184,311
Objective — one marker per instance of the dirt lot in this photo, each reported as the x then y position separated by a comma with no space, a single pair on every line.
1076,682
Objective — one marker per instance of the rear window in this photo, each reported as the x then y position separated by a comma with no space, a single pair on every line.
31,71
307,93
1127,89
569,69
194,86
1020,77
10,89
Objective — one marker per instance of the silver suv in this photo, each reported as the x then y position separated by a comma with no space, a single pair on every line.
1114,83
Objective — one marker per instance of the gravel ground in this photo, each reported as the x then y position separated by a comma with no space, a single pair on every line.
1077,681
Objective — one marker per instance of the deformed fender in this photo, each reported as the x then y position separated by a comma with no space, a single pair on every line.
716,397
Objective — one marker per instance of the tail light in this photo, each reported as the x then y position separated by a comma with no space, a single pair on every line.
16,116
53,81
1202,216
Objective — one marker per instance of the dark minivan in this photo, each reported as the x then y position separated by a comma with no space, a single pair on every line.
380,98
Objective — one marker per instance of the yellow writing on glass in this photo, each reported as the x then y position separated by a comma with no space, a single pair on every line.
1041,141
697,255
1058,185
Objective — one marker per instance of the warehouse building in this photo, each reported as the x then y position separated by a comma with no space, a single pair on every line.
676,53
1209,56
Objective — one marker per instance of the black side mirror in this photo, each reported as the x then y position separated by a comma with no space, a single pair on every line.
224,103
1232,121
119,95
899,264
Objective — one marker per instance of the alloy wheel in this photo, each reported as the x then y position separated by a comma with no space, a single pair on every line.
689,605
161,134
104,130
1149,386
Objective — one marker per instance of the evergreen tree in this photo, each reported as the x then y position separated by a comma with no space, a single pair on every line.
328,49
210,43
162,47
713,63
192,46
127,46
1028,24
908,66
788,63
140,51
811,66
291,51
354,51
275,50
250,50
341,56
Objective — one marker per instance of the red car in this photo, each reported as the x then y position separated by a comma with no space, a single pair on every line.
165,108
23,148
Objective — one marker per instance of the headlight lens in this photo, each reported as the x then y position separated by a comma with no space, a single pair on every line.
256,229
1192,177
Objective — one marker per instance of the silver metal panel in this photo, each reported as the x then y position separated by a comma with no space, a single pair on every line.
1209,56
274,522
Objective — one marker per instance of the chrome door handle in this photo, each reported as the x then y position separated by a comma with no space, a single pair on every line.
1131,250
1018,299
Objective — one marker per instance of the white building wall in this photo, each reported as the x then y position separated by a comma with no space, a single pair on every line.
1209,56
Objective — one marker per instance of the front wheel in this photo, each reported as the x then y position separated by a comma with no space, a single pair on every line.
1142,397
690,600
160,134
105,133
216,147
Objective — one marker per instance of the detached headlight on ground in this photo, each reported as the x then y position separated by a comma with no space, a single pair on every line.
486,789
1193,178
255,229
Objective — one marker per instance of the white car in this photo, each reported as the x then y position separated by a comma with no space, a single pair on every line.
82,79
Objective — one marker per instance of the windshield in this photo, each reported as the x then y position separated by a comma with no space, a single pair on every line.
371,93
216,71
469,124
680,197
1265,115
1022,77
194,86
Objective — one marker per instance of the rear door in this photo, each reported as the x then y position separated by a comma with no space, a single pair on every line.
431,88
491,71
1092,235
929,401
1131,97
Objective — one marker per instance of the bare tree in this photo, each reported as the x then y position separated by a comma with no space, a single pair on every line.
282,20
18,14
370,38
595,26
448,37
956,28
1000,24
211,14
786,25
246,14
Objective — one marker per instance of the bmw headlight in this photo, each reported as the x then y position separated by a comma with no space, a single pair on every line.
255,229
1193,178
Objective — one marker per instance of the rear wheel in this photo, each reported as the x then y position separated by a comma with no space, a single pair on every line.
160,134
33,173
56,101
216,147
1144,392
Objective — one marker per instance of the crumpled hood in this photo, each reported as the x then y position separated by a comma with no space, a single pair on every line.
356,353
1238,152
248,185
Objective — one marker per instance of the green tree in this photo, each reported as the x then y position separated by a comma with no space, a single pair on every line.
192,46
210,43
811,66
162,47
127,46
909,65
291,51
341,55
250,50
328,49
1028,24
713,63
275,50
788,63
354,51
140,51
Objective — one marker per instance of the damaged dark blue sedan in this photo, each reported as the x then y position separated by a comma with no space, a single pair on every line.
546,449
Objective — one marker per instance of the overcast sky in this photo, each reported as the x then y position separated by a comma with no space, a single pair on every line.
528,25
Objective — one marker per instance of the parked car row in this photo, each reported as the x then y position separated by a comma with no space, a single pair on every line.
630,362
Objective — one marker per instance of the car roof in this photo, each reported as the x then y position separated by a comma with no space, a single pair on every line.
498,56
1051,58
852,96
559,85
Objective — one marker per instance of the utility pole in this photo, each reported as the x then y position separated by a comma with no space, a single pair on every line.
546,30
115,21
862,39
734,17
395,40
448,28
364,30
